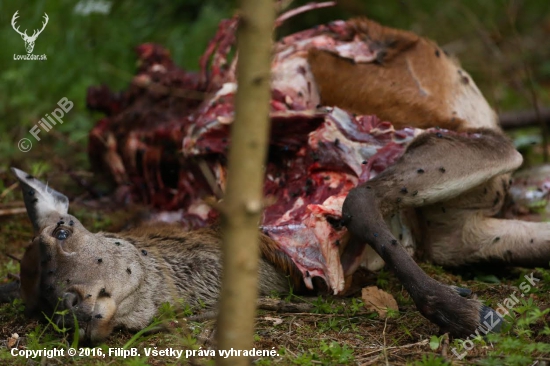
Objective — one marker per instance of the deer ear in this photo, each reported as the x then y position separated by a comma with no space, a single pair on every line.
40,200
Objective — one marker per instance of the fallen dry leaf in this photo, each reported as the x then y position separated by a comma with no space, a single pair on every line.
378,300
276,321
13,340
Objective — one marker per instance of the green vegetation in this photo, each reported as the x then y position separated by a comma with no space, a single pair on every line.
87,50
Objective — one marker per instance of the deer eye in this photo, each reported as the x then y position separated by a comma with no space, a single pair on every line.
61,234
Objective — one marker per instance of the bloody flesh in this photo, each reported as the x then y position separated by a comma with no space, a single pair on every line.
159,132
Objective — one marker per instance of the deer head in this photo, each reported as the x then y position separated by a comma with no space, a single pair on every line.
96,277
29,40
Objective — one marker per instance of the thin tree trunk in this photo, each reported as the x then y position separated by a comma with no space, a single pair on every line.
242,204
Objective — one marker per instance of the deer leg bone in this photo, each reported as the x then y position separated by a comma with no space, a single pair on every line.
436,167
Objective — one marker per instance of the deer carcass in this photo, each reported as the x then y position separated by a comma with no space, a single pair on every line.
339,181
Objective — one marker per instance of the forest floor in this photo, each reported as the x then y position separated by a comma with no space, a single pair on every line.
328,331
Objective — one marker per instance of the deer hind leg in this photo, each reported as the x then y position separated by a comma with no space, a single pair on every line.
436,167
512,242
467,232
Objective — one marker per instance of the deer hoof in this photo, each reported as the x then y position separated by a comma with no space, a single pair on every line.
464,292
490,320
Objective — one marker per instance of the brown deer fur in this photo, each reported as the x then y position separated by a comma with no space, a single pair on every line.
413,82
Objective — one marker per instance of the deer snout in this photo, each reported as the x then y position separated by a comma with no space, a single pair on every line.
71,300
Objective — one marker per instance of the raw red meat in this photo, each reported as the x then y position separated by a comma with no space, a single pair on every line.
157,134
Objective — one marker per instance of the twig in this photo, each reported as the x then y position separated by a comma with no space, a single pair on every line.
283,307
209,315
12,204
308,314
292,353
290,325
421,343
9,189
13,257
526,118
535,101
445,345
12,211
384,350
302,9
210,179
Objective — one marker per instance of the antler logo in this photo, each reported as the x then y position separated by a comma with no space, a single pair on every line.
29,40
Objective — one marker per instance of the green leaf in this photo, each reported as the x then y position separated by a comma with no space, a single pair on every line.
434,342
487,278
